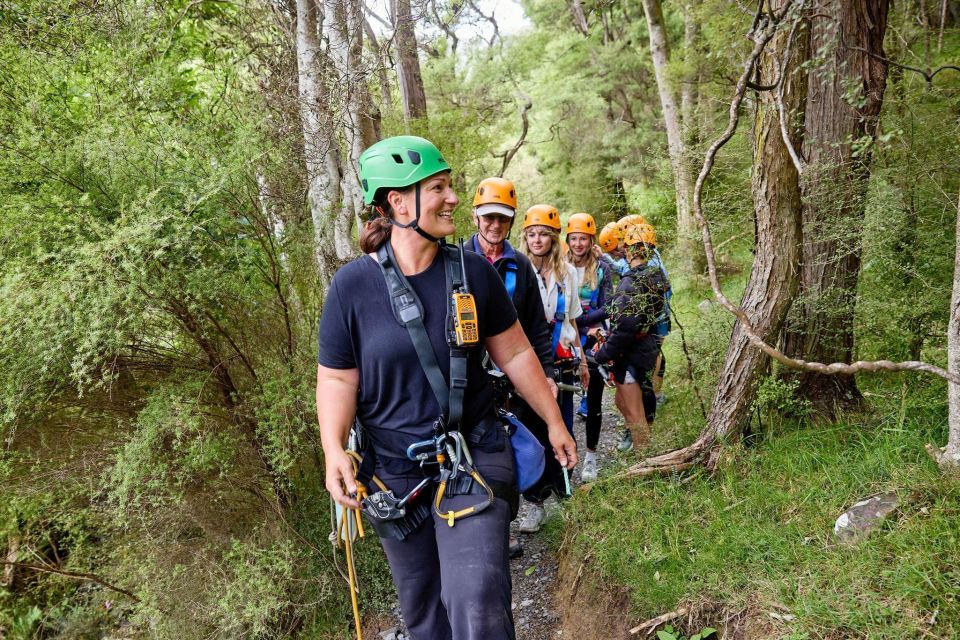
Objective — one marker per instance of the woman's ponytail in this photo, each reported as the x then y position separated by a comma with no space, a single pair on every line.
374,233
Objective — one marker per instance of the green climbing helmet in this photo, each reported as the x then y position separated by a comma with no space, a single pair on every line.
398,162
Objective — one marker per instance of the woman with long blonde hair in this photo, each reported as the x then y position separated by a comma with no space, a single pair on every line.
557,280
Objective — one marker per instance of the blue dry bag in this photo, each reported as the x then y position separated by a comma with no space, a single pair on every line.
529,458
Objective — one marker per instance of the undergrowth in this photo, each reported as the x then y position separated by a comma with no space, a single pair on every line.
756,536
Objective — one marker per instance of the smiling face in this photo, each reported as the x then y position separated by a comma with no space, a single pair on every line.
493,227
539,239
437,202
579,244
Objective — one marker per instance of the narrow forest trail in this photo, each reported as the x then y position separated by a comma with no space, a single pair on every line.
535,608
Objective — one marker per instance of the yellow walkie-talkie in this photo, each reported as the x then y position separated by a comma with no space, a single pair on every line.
464,307
465,319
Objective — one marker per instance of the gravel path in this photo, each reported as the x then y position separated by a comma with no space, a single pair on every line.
535,572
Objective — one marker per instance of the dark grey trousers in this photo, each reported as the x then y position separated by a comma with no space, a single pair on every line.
454,582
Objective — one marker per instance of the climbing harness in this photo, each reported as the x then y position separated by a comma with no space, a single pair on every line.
448,449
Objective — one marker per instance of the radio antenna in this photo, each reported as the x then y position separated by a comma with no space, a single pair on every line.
463,267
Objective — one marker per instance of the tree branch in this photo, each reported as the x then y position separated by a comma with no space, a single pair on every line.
510,153
794,156
72,574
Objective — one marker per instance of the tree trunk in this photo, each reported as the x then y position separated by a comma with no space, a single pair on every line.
844,98
408,63
689,93
774,278
579,18
687,230
11,573
344,19
320,147
949,456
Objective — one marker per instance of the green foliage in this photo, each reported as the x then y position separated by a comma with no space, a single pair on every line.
669,633
777,396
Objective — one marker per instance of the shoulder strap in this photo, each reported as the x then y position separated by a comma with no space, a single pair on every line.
409,312
510,278
458,357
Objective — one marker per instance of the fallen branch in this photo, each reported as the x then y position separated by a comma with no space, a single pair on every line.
650,625
72,574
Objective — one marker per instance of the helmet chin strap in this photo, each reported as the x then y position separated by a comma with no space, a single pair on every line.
415,225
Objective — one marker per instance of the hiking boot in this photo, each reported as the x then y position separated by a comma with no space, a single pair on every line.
626,442
535,517
589,473
516,549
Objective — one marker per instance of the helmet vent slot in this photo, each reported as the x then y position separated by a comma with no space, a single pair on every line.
397,158
414,156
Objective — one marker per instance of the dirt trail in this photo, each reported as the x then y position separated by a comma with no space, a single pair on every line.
535,572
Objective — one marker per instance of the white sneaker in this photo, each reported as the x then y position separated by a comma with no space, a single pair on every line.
589,473
535,517
661,399
626,442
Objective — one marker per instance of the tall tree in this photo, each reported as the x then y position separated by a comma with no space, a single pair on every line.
844,98
690,248
408,62
777,204
337,120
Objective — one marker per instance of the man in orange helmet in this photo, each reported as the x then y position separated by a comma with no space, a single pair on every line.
494,209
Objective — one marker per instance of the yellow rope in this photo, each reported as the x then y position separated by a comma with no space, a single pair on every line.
349,517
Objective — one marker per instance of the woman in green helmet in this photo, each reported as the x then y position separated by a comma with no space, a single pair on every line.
451,571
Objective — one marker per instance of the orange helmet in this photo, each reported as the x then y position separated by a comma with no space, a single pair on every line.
544,214
638,233
628,221
609,237
581,223
496,191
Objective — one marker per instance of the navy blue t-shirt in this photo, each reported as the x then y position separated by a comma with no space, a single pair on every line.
358,330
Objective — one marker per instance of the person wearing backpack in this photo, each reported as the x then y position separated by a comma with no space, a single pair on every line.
399,354
593,293
631,349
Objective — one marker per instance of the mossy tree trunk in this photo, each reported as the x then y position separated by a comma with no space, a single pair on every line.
844,99
774,278
691,250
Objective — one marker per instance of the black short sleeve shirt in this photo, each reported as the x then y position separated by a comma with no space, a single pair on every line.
358,330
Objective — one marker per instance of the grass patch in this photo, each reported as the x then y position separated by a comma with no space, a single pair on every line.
758,533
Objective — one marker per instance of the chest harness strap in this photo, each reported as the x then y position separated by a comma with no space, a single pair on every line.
510,278
559,316
448,449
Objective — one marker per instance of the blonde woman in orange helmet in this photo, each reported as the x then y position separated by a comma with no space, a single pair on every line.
595,289
557,280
